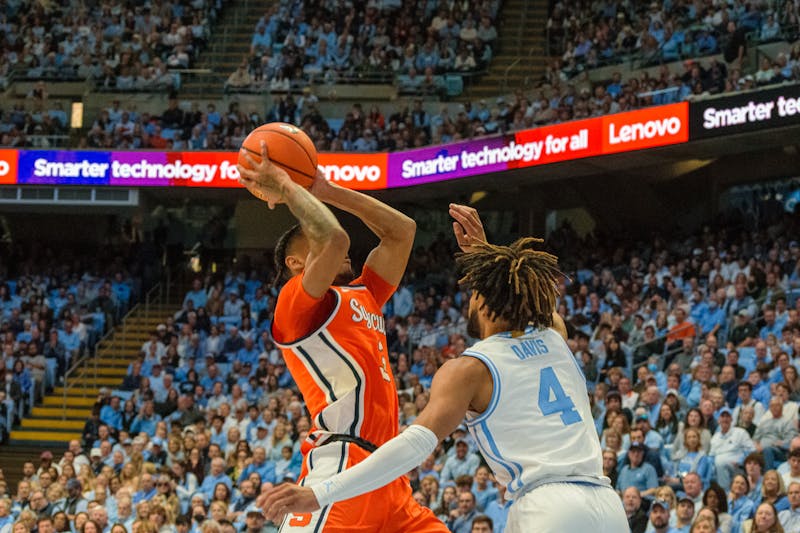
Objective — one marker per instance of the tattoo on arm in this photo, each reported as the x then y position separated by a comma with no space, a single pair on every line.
315,218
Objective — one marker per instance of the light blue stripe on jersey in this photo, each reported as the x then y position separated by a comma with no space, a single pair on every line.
515,469
494,455
495,389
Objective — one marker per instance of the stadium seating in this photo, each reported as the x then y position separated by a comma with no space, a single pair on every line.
53,316
586,36
303,43
660,328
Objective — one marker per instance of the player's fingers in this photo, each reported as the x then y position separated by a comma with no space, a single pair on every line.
458,231
249,158
264,150
457,214
466,222
244,173
472,214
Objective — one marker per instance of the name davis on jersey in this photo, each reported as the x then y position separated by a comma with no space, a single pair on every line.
371,320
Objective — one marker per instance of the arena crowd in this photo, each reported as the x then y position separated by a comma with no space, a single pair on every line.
689,347
54,307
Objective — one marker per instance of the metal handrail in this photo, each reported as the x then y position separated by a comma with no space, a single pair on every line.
507,72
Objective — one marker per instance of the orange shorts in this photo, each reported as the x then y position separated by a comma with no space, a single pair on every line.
386,510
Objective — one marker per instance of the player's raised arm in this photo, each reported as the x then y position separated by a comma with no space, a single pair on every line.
455,386
328,243
395,230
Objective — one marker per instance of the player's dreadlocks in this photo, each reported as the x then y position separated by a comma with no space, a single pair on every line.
286,239
519,284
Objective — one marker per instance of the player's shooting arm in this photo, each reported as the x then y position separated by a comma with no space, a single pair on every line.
328,242
453,389
395,230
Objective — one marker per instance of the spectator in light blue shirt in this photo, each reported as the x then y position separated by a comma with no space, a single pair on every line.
740,507
111,414
638,473
262,41
712,318
248,354
216,475
197,295
121,289
261,465
462,463
146,421
148,490
69,338
483,489
790,518
771,327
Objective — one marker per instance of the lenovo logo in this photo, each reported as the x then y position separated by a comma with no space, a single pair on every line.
657,126
649,130
371,173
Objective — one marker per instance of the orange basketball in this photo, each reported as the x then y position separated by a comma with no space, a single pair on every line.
289,148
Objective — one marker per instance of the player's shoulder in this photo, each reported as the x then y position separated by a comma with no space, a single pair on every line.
462,368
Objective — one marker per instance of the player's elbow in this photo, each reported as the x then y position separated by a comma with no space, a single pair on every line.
339,240
405,229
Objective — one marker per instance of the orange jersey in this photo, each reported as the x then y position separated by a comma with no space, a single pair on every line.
335,348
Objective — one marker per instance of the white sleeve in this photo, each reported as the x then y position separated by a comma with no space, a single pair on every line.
390,461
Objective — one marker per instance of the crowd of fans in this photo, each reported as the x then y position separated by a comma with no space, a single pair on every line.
689,346
54,307
589,34
298,42
120,45
410,124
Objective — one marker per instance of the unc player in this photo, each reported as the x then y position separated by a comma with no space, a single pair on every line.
523,395
330,329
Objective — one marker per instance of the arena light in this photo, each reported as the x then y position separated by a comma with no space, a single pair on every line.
76,117
477,196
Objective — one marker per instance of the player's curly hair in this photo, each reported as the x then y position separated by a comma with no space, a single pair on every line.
279,257
519,284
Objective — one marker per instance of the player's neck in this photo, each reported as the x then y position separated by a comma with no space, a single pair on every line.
494,327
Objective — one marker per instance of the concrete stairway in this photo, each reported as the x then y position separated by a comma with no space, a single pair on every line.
60,418
519,61
230,43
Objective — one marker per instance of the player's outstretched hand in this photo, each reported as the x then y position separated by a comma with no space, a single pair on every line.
467,227
287,498
265,180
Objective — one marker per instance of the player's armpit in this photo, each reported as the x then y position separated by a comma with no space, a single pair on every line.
458,384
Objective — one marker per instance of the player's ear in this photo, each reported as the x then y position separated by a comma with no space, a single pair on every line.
294,263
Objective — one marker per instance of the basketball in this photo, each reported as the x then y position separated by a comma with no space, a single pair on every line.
289,148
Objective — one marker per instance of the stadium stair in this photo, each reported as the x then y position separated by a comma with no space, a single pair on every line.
230,43
54,422
520,60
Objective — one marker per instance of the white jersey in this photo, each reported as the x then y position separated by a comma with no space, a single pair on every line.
538,427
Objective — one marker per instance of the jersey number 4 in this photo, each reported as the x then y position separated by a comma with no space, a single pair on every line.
553,399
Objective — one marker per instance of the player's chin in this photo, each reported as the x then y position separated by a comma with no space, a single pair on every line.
345,275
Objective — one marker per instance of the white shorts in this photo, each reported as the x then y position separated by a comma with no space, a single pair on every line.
567,507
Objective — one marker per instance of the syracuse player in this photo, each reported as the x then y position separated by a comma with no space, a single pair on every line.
330,329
